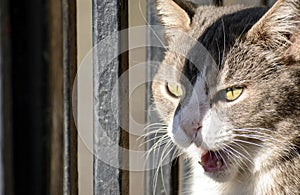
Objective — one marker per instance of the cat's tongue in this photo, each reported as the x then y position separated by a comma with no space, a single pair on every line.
211,162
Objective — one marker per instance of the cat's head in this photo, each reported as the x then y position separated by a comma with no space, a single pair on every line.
184,23
244,113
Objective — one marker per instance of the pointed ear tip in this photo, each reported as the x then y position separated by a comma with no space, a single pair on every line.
187,6
283,15
174,15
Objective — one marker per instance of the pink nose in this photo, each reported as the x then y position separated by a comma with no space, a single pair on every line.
186,131
191,128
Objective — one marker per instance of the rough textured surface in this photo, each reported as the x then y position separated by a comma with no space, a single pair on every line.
106,129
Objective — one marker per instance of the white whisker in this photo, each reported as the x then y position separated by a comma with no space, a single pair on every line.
242,155
247,142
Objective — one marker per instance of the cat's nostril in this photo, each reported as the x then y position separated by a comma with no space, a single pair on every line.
199,126
195,131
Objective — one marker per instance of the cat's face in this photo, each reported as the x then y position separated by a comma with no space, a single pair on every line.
236,117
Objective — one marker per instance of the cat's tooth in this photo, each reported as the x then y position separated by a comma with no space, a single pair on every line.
219,164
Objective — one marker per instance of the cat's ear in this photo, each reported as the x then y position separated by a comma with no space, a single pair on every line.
280,28
175,15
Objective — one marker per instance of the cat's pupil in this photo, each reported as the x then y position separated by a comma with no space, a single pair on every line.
233,93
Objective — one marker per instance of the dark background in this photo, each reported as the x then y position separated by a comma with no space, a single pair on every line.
30,91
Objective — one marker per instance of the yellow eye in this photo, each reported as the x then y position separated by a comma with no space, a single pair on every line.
233,93
174,89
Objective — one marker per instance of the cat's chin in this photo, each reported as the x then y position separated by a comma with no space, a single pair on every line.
214,164
221,175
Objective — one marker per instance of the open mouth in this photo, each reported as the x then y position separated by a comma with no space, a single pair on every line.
212,161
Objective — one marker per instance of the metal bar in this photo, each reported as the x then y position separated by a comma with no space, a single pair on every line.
63,67
110,97
56,97
70,68
105,22
124,96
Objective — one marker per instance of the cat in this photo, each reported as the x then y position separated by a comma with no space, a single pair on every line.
234,108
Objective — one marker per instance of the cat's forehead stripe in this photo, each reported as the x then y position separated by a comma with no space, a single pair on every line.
218,38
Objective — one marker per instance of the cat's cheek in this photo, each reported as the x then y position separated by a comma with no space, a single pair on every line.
213,126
